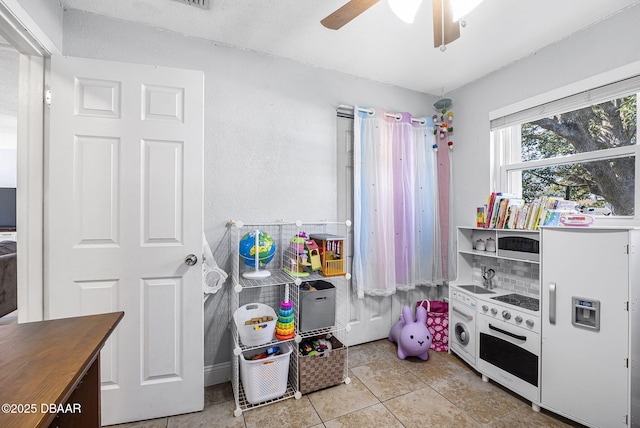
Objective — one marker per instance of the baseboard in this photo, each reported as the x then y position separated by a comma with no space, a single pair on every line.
217,373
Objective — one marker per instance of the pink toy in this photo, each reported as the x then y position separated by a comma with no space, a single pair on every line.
413,337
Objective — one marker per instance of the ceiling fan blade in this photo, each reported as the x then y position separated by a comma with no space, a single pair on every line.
451,27
346,13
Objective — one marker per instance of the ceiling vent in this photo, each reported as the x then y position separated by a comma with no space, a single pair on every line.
202,4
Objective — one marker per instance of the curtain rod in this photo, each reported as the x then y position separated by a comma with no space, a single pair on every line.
396,116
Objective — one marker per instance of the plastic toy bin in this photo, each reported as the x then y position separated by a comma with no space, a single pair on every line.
259,333
265,379
331,253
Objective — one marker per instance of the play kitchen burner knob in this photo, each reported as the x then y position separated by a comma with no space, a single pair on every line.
530,323
485,308
518,319
494,311
506,315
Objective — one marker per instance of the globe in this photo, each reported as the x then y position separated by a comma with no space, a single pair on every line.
266,248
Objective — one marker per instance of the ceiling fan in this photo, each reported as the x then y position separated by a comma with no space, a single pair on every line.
445,29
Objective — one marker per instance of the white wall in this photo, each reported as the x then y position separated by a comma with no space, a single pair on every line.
265,117
611,47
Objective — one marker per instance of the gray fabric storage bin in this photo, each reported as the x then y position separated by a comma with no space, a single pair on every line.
317,308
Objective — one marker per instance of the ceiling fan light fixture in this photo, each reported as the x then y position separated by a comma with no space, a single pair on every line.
406,10
445,29
463,7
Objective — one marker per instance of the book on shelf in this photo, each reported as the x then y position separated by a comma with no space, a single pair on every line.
555,211
480,215
513,209
489,211
552,218
507,211
498,209
500,214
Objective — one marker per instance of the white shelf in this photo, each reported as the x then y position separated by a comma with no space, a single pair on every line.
270,291
467,235
494,255
469,261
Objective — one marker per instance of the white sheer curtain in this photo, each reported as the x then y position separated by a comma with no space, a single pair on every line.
396,216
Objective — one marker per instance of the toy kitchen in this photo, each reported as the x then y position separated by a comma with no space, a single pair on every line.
551,315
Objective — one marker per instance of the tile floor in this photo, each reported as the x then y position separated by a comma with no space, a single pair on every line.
384,392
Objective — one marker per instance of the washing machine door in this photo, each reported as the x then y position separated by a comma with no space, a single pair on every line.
463,330
462,334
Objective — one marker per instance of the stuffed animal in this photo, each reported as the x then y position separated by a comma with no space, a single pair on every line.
413,337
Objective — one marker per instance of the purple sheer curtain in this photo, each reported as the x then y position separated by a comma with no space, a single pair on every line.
396,228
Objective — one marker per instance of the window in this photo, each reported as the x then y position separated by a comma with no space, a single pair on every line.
581,148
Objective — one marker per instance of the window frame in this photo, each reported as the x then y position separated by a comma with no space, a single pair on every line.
505,138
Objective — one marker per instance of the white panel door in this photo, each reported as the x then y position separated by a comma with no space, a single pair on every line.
584,370
370,318
123,210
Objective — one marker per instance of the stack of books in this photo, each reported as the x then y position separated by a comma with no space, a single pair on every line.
507,211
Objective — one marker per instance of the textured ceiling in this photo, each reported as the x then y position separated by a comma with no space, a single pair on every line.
376,45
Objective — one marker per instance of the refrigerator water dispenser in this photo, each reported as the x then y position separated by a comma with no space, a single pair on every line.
586,313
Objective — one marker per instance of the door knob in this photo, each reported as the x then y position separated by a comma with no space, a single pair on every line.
191,260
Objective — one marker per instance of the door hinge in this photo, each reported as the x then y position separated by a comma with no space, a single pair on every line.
627,249
626,362
47,97
626,306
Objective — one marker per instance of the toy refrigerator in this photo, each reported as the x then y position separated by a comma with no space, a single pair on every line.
589,357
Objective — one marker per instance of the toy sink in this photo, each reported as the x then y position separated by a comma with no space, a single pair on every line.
476,289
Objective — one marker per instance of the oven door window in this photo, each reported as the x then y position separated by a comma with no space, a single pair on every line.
509,357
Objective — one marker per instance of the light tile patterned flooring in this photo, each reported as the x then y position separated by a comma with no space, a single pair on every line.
384,392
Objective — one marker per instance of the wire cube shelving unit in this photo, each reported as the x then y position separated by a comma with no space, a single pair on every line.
271,291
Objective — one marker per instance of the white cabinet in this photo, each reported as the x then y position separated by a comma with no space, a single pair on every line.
496,330
470,259
270,291
590,324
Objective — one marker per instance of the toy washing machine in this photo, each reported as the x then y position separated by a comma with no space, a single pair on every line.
462,326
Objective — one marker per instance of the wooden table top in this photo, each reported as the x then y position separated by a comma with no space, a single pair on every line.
42,362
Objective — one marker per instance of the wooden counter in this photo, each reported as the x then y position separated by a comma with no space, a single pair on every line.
50,371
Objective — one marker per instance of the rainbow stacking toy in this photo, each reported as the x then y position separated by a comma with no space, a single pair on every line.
285,327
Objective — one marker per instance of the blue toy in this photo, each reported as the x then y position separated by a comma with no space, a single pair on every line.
413,337
258,242
256,250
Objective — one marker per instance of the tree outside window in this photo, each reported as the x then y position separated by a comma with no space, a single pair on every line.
586,155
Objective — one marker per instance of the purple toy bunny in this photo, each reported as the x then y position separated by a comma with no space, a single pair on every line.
413,337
